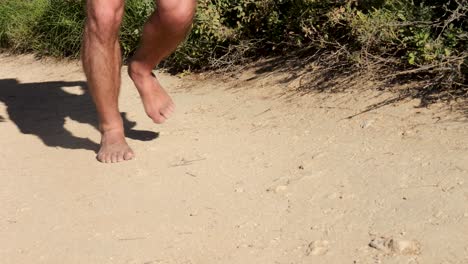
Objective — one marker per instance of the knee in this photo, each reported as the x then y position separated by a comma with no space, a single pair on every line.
104,19
178,14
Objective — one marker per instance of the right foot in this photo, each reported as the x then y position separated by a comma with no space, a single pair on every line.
158,104
114,148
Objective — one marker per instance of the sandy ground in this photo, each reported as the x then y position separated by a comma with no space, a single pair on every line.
246,172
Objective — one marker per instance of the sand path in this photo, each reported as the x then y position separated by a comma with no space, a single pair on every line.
243,173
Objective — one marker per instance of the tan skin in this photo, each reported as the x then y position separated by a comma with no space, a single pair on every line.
101,58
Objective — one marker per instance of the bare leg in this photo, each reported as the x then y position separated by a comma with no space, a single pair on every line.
163,31
102,64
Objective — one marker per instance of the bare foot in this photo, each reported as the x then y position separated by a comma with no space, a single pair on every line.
114,148
158,104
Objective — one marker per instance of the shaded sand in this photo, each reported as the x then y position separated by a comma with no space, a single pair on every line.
245,172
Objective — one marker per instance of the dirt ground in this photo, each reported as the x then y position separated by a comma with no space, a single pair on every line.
247,171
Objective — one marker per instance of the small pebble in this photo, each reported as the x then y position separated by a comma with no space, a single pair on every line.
366,123
405,247
239,190
379,244
318,248
281,188
396,246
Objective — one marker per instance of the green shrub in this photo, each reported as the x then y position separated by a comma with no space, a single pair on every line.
409,34
413,31
59,29
136,13
17,22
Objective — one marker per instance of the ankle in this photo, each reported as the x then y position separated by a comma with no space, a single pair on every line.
137,68
112,136
111,129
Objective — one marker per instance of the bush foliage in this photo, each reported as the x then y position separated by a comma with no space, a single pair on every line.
410,34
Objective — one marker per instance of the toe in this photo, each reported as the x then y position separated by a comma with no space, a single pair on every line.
103,157
171,106
100,157
158,118
168,110
128,155
108,158
120,156
166,113
114,157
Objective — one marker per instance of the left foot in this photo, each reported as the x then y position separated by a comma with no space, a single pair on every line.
114,148
158,104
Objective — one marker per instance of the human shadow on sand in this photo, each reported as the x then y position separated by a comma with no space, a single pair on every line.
41,109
